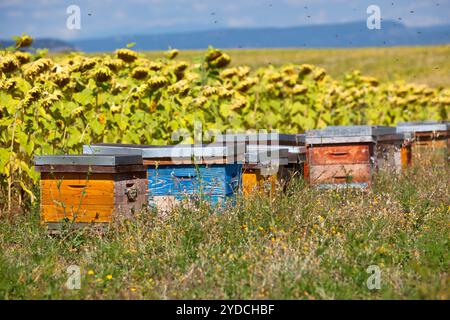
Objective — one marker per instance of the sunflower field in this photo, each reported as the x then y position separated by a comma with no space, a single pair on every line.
55,105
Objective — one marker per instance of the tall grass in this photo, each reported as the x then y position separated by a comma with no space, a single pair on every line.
301,244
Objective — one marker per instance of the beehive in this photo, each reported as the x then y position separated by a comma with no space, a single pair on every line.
349,155
430,141
185,173
86,189
262,173
271,159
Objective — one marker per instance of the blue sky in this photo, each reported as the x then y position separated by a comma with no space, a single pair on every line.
47,18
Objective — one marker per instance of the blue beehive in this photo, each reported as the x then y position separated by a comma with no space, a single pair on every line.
185,173
217,184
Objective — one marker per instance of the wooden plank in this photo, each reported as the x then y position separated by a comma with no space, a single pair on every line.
406,156
184,180
185,161
76,176
75,196
92,213
339,154
429,152
89,196
431,135
338,173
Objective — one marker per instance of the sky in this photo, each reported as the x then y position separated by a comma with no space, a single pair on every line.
101,18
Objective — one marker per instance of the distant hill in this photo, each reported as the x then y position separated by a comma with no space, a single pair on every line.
344,35
353,34
54,45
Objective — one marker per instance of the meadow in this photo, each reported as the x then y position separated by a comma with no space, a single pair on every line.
301,244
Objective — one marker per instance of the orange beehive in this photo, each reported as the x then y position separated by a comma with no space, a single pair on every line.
90,189
430,141
350,155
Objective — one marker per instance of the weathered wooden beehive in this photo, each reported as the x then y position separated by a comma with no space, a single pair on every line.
271,159
264,169
430,141
86,189
185,174
349,155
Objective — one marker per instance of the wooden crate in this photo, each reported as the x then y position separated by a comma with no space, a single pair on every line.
85,191
430,141
254,181
349,155
185,174
173,185
392,154
429,148
349,164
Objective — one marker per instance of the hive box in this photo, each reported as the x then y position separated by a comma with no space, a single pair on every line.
185,173
430,140
270,159
86,189
262,171
349,155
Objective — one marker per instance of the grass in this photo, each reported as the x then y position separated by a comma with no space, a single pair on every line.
302,244
422,64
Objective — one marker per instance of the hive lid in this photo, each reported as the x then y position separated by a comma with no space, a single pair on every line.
350,134
266,158
187,151
158,152
300,138
423,126
290,149
351,131
114,148
88,160
258,138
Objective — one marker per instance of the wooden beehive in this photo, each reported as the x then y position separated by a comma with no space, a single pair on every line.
349,155
430,141
270,159
392,152
86,189
269,168
185,174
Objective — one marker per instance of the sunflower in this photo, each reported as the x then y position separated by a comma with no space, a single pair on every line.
228,73
200,101
22,57
37,67
114,64
9,64
140,73
155,66
245,85
208,91
172,54
24,41
7,84
157,82
127,55
102,74
299,89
